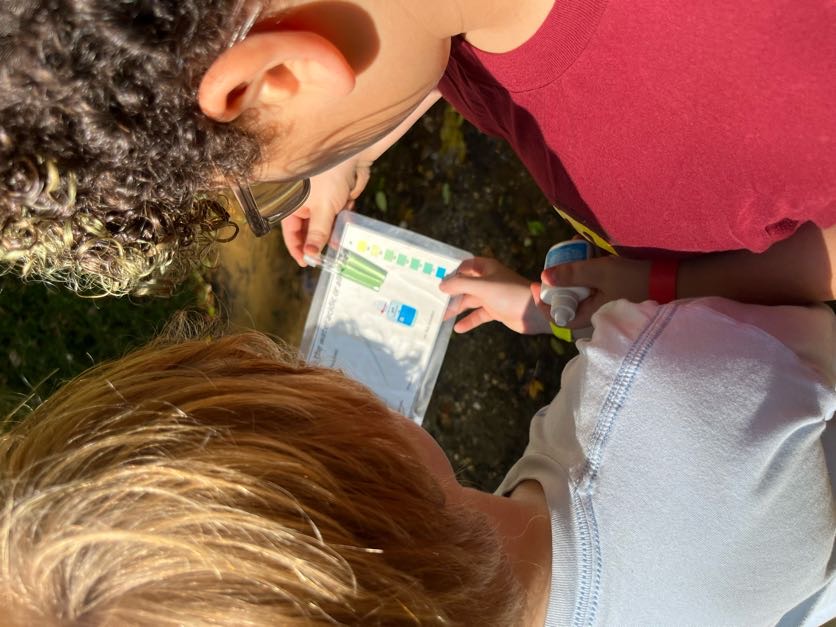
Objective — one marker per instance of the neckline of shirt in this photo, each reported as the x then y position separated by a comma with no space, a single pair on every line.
548,53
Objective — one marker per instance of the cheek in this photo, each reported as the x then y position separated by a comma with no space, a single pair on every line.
324,158
295,153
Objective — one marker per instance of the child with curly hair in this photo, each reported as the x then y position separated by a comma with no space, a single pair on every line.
652,128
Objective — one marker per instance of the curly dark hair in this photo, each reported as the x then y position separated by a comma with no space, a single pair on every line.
105,156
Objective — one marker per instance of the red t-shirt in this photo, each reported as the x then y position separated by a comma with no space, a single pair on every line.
686,126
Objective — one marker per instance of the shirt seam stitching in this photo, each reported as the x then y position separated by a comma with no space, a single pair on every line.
593,31
588,591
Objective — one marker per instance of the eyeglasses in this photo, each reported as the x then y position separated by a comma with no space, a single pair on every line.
267,203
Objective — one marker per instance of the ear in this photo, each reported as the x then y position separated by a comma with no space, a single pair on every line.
272,68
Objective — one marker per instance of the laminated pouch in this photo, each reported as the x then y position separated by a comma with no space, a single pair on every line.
377,313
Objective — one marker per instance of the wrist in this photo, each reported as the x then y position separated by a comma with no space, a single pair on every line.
662,284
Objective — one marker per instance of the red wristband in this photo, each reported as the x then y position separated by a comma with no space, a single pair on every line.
662,287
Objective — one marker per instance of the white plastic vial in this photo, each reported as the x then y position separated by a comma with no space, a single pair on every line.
564,300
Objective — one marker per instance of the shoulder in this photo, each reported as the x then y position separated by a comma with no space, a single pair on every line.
717,327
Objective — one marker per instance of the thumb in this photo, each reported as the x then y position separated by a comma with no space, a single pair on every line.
319,230
294,231
329,196
323,211
536,288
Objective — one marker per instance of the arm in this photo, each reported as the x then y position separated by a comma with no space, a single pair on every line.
308,230
798,270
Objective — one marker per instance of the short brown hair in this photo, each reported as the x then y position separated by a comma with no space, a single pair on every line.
219,482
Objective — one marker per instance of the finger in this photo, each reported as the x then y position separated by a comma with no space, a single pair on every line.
473,267
535,293
362,178
463,304
294,229
477,318
457,284
481,288
319,230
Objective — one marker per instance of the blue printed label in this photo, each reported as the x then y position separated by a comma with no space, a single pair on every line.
406,315
403,314
577,250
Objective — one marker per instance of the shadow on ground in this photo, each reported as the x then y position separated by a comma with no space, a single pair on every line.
447,181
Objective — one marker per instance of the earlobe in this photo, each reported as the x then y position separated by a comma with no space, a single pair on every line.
271,68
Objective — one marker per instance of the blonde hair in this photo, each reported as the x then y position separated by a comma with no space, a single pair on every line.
218,482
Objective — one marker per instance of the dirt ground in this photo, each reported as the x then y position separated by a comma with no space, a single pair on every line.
447,181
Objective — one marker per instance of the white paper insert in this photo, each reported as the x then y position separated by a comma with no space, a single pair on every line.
385,338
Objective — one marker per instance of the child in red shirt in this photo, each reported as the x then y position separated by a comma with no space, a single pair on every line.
653,129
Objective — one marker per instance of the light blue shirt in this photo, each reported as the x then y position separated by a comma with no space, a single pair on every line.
685,463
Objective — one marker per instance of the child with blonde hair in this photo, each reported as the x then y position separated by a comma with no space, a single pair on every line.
652,128
680,476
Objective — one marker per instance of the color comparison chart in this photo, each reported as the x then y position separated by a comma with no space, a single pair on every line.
376,252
